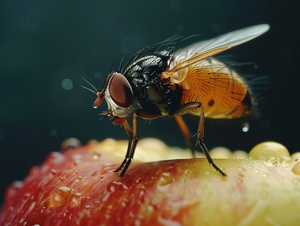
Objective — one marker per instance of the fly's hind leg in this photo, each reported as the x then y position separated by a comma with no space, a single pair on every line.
186,133
133,139
200,133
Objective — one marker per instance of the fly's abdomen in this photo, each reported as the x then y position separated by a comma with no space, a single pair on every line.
222,92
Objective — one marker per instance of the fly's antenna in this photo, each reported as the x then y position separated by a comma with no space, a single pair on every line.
94,90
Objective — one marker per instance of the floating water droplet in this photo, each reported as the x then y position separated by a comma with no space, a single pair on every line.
165,179
245,127
53,132
67,84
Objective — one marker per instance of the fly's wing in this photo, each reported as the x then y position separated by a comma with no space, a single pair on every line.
204,49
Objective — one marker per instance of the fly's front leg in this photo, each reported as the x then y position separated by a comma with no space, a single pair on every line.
133,139
200,141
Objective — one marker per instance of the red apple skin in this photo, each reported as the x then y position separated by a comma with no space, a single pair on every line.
78,187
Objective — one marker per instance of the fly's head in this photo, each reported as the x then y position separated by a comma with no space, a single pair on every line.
119,97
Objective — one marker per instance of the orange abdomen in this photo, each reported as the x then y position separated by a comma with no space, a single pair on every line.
222,92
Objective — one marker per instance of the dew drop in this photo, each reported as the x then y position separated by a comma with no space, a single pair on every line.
296,169
55,158
88,206
96,156
77,159
31,207
60,196
70,143
269,149
271,162
165,179
53,171
120,184
296,180
78,179
220,152
13,189
207,172
285,161
241,171
106,197
76,199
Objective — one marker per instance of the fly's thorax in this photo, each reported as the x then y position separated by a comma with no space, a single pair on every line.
151,93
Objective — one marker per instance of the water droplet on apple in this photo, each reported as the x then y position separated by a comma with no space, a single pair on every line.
55,158
119,184
96,156
79,178
165,179
296,180
285,161
53,171
77,159
13,189
296,169
70,144
60,196
76,199
271,162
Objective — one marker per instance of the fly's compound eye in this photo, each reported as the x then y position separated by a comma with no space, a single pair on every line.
120,91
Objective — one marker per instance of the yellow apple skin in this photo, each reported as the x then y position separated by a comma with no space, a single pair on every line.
78,187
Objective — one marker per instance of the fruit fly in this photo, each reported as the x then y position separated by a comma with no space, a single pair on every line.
162,81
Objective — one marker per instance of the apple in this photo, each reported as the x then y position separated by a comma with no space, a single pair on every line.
77,187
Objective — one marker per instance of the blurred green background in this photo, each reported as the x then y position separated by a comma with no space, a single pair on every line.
47,46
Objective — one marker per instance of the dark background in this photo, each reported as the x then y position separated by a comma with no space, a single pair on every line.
42,43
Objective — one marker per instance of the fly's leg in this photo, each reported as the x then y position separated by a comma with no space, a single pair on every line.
200,133
200,141
186,133
133,139
184,109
